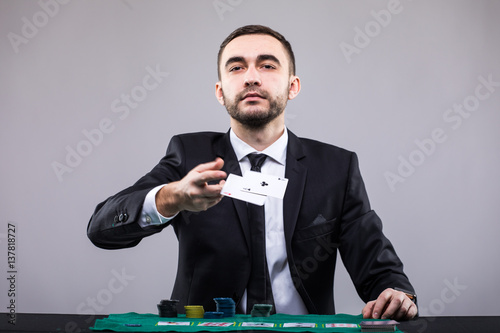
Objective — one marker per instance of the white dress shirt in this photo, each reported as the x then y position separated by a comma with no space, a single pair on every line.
286,297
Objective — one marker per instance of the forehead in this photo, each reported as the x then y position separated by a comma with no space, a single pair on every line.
251,46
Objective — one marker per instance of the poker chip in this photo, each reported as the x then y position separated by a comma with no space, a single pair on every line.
168,308
226,305
213,315
194,311
261,310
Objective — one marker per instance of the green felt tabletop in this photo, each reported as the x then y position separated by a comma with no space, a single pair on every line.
279,322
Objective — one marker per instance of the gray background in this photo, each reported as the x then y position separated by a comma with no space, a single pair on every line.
65,66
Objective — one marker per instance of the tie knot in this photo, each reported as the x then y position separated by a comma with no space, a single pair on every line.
256,161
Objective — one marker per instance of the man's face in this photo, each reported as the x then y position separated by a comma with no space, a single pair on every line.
255,81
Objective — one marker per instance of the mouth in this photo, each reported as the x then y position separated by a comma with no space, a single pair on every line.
252,96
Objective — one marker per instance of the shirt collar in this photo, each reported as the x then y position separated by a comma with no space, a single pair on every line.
277,151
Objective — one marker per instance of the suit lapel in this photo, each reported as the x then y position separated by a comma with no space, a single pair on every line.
224,150
296,174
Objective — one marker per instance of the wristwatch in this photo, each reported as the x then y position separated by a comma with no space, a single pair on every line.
408,294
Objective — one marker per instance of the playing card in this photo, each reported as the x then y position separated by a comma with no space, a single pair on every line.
257,324
344,325
174,323
260,183
233,188
215,324
308,325
378,326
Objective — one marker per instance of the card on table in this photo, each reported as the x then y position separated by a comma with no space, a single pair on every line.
215,324
344,325
307,325
174,323
257,324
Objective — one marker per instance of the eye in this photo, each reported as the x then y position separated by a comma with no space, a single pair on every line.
268,66
235,68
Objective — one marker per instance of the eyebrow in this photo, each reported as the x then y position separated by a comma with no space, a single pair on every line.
263,57
233,60
260,58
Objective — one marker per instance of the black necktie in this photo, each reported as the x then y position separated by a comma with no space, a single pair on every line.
259,286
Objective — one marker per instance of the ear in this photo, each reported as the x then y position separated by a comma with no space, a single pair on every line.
294,87
218,93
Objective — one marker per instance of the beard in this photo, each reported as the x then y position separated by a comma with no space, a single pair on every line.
256,119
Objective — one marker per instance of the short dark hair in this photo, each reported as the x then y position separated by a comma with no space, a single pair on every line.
258,30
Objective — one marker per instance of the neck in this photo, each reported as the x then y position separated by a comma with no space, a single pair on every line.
259,138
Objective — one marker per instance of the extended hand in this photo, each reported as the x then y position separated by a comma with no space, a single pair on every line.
391,304
192,193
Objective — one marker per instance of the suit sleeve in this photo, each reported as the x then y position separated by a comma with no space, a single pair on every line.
367,254
114,224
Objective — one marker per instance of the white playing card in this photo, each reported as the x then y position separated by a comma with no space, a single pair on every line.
307,325
257,324
215,324
174,323
345,325
233,189
260,183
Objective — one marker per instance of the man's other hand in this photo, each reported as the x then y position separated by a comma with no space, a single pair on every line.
391,304
193,193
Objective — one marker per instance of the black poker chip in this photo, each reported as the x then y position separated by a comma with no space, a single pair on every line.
168,308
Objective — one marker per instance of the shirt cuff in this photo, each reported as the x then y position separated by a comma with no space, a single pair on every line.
150,215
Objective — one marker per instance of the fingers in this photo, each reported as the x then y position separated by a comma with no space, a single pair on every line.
205,177
389,301
217,164
390,304
407,310
368,310
400,306
412,311
196,194
208,172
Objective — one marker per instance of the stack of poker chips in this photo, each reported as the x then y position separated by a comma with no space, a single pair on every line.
213,315
262,310
194,311
168,308
226,305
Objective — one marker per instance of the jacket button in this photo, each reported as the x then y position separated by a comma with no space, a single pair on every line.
120,218
125,217
116,218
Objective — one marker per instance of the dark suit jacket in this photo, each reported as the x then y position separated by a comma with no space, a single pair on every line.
326,210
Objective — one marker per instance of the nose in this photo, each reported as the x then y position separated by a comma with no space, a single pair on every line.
252,77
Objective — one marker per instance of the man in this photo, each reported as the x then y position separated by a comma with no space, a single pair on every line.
325,207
